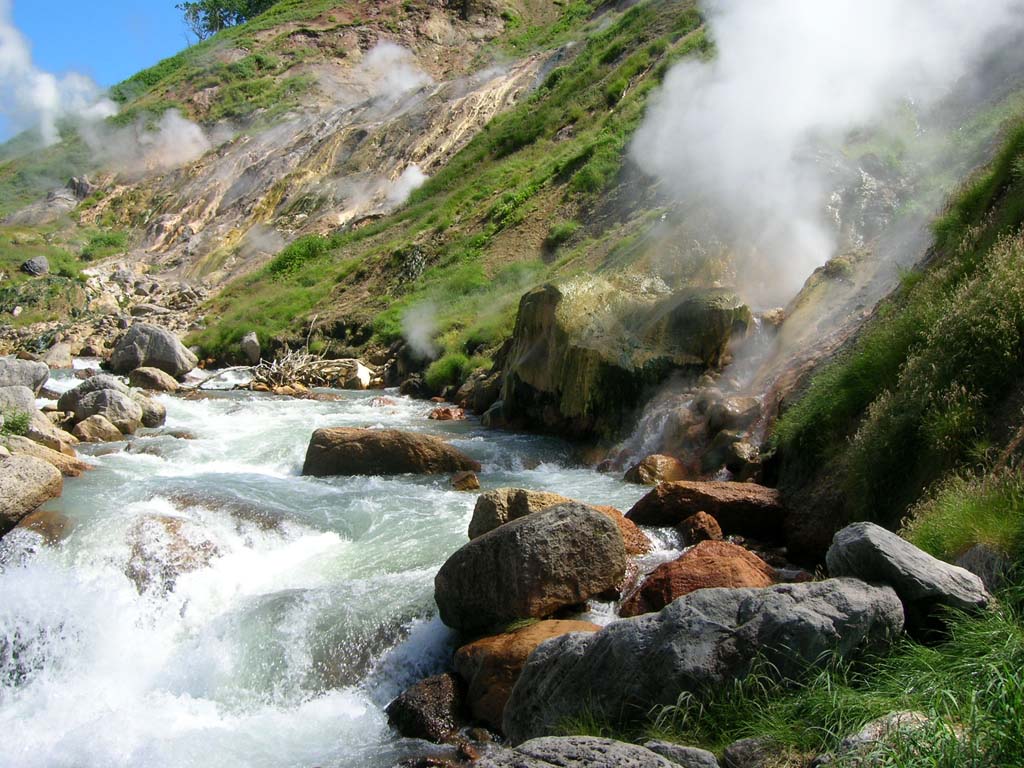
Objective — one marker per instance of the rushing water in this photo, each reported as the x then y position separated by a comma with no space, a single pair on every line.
314,610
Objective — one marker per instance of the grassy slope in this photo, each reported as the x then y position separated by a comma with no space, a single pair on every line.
503,215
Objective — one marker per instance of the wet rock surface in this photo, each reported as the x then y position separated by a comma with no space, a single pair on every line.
351,451
746,509
432,709
25,483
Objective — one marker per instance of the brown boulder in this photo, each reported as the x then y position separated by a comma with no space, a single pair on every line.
497,507
746,509
432,709
52,526
153,379
97,429
657,468
447,413
25,483
699,527
465,481
69,466
709,564
349,451
490,666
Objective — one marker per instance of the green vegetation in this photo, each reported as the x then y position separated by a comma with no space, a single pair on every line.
450,369
103,244
15,423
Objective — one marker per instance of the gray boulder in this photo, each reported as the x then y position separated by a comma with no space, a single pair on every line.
59,356
153,412
40,429
574,752
688,757
251,347
530,567
994,568
23,373
146,345
37,266
119,409
69,400
697,643
19,399
869,552
25,483
753,753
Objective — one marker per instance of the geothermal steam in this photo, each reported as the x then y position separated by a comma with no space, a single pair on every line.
740,133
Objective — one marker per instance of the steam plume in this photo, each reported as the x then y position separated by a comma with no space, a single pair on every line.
739,133
419,324
391,71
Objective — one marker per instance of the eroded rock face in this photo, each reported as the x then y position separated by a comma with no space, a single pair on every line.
25,483
657,468
701,641
746,509
153,379
529,568
583,353
575,752
146,345
490,666
23,373
350,451
870,552
709,564
432,709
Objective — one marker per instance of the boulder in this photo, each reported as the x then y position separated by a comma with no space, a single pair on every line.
120,409
432,709
869,552
583,353
657,468
250,345
97,429
69,466
350,451
69,400
490,666
153,412
699,527
732,413
993,567
25,483
574,752
698,643
52,526
36,266
529,568
17,399
447,413
163,548
687,757
709,564
754,752
146,345
465,481
43,431
497,507
745,509
152,379
857,749
23,373
59,356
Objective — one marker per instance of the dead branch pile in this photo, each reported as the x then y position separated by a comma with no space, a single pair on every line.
301,367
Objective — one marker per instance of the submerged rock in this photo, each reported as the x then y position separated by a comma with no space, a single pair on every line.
529,568
350,451
432,709
146,345
574,752
490,666
52,526
698,643
163,548
709,564
746,509
25,483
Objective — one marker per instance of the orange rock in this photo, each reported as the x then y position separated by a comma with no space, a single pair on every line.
746,509
709,564
636,542
700,527
657,468
447,413
465,481
491,666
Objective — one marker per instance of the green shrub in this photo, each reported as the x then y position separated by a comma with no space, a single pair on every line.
560,233
300,253
104,244
450,369
15,423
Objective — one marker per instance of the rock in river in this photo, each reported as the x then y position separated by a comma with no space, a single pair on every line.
146,345
529,568
23,373
25,483
740,508
350,451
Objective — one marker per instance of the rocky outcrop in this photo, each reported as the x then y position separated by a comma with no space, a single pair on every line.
69,466
432,709
163,548
745,509
350,451
657,468
146,345
23,373
96,429
583,353
25,483
709,564
574,752
490,666
497,507
698,643
529,568
153,379
869,552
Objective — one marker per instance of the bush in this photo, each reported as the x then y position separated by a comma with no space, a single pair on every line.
450,369
15,423
300,253
559,234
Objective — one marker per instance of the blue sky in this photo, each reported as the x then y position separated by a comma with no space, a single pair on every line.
109,40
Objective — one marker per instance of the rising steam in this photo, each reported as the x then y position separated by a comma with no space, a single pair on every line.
390,72
419,324
739,133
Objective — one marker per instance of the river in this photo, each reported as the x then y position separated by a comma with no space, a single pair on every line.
315,608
